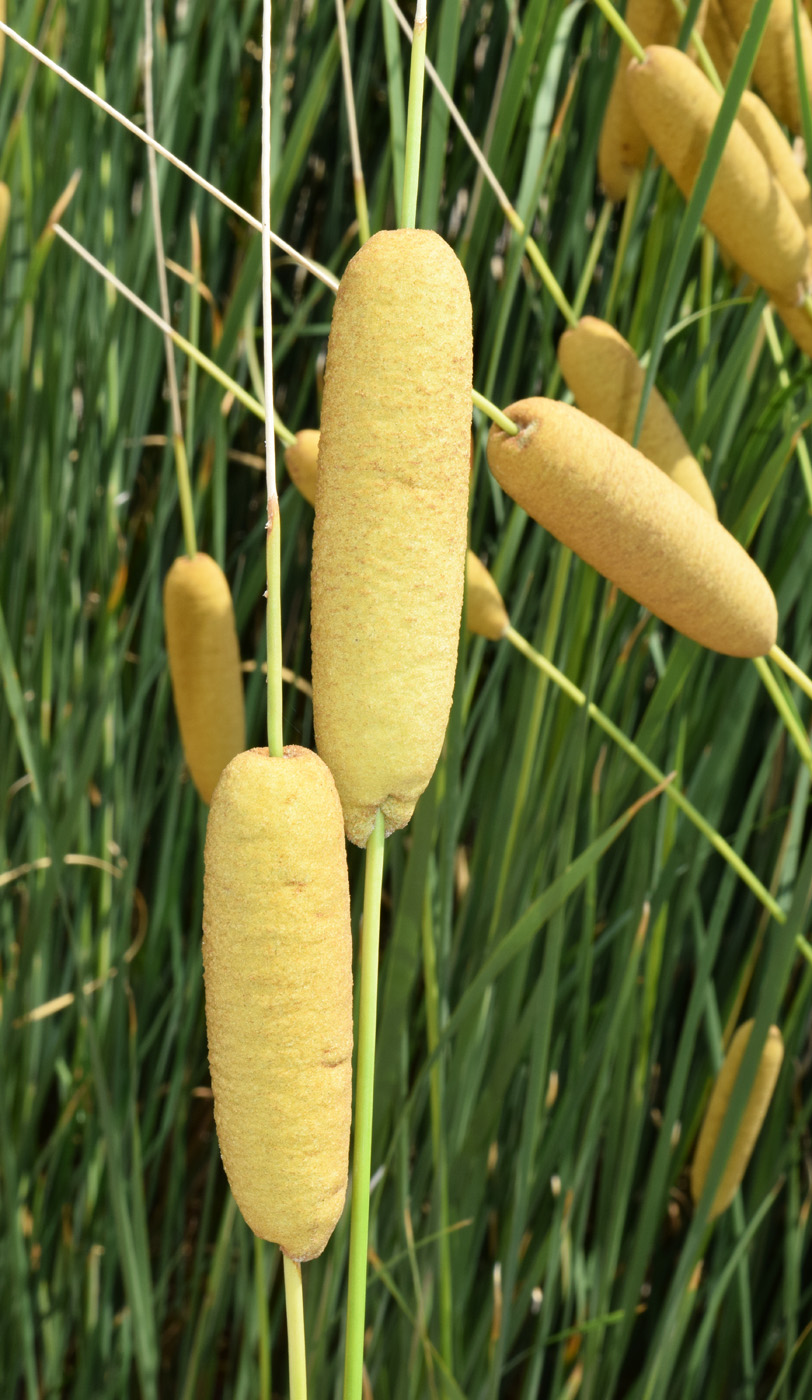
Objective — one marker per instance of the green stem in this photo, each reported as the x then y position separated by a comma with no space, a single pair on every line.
294,1308
185,495
703,328
500,418
673,793
790,720
595,250
362,1145
273,560
436,1093
790,669
621,28
541,265
414,119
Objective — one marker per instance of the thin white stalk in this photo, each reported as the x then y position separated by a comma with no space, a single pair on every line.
314,268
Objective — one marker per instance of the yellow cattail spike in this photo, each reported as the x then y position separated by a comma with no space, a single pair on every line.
746,209
759,122
719,40
302,461
5,209
277,960
486,614
623,146
603,499
604,374
774,72
391,522
204,663
750,1125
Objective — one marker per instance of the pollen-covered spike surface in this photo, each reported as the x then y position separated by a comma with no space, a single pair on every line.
277,959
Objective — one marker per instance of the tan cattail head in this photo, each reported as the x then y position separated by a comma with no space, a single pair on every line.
760,124
747,210
391,522
775,71
623,145
719,40
604,374
302,462
204,664
486,614
5,209
603,499
750,1125
277,959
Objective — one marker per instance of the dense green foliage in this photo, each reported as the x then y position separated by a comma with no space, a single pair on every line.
526,1242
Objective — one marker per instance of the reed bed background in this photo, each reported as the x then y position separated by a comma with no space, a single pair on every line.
560,966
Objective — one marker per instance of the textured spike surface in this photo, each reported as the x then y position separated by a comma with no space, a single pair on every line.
750,1124
775,71
391,522
606,501
204,663
277,960
604,374
302,462
486,614
746,209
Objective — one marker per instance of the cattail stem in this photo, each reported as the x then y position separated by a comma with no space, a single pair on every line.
187,512
621,28
788,666
273,546
790,720
414,118
705,60
494,413
703,327
358,186
362,1144
294,1308
804,462
673,793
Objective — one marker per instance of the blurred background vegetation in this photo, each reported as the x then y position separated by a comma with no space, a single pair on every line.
532,1232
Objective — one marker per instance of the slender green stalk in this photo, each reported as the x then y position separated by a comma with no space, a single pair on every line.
273,543
794,729
704,58
788,666
629,209
194,333
181,463
703,327
362,1144
294,1308
621,28
496,414
438,1144
595,250
542,267
414,118
263,1330
358,186
629,747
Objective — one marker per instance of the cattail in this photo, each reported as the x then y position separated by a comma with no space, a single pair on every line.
204,663
302,461
775,73
5,209
719,40
603,499
485,614
623,145
746,209
391,521
604,374
277,960
750,1125
759,122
